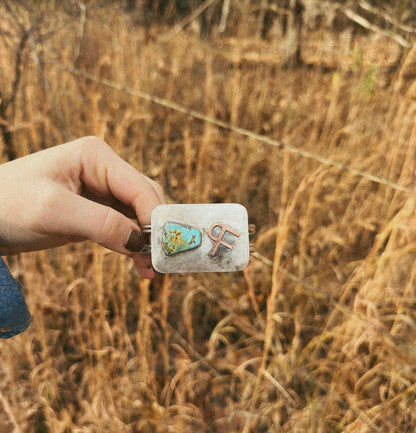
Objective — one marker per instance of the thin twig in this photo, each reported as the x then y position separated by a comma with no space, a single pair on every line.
193,16
224,16
80,30
17,69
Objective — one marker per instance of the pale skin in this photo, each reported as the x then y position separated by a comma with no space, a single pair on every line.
81,190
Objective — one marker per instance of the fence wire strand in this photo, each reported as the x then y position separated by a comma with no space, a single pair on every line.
231,127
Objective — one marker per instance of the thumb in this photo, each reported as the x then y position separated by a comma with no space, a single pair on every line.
99,223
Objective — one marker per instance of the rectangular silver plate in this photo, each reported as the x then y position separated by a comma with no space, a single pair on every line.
200,238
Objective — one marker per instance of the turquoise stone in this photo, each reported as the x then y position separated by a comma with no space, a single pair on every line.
177,238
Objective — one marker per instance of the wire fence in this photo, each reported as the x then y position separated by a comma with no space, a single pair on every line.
265,139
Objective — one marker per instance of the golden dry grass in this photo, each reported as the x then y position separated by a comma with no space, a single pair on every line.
317,334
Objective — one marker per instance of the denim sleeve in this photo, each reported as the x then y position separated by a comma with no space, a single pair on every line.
14,314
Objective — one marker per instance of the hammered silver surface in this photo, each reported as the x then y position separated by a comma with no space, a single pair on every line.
224,238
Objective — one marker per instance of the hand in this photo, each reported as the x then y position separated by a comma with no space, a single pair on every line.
72,192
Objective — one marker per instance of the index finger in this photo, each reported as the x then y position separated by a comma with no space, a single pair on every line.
106,173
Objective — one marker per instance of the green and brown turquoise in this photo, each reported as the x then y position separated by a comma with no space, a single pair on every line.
178,238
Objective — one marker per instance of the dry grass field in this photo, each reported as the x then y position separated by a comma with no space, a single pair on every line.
318,333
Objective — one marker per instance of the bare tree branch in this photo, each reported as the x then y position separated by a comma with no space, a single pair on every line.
363,22
193,16
6,101
376,11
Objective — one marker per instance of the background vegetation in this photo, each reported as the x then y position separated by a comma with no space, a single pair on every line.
304,112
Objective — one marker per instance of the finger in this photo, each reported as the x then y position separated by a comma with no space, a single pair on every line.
112,202
137,191
105,173
79,218
143,265
74,215
56,241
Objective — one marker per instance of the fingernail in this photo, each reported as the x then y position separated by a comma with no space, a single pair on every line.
136,241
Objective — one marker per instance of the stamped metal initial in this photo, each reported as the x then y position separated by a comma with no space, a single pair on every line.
219,239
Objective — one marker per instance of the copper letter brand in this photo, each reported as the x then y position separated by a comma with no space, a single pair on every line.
219,239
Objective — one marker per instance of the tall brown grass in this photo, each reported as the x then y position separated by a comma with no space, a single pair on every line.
318,333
